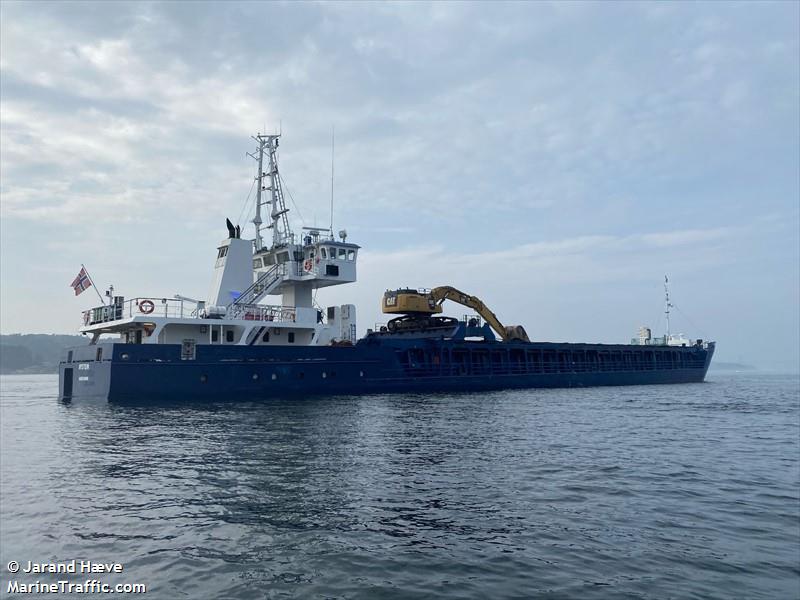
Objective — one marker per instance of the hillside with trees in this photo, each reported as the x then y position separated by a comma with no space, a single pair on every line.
35,353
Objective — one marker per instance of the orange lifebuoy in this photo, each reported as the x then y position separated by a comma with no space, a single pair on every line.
146,306
308,265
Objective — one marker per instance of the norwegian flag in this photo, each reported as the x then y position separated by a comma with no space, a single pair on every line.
81,282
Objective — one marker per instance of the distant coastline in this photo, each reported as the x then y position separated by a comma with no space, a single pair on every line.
731,366
34,353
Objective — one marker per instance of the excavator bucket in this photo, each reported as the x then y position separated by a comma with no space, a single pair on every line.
516,333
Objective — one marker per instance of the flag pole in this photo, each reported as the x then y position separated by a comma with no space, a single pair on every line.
103,302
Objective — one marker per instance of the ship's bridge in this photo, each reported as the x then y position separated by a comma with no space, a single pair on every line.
320,263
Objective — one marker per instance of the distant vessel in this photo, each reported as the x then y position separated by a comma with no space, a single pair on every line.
231,346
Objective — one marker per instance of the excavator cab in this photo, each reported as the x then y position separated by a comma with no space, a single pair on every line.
408,301
415,309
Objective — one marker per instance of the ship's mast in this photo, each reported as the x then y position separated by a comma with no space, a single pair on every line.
667,304
259,156
281,234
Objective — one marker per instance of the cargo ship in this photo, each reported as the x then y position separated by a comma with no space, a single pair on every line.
233,345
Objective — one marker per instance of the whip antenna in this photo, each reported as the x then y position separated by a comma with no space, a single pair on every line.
333,137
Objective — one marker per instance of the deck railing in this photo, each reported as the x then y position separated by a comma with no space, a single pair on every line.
182,309
262,312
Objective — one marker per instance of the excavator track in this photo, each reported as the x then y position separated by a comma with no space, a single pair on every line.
420,323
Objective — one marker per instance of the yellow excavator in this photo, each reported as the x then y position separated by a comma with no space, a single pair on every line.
417,308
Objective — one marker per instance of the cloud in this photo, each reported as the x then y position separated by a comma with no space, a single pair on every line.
158,89
686,237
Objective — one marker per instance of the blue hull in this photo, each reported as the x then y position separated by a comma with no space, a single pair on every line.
142,373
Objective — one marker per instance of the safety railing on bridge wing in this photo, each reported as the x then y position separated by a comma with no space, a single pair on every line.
145,306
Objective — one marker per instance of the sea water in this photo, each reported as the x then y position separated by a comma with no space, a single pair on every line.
675,491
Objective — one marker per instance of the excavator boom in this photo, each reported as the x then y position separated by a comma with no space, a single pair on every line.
446,292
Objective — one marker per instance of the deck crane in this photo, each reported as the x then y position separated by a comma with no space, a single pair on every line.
417,308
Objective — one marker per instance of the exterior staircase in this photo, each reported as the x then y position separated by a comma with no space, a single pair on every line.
266,282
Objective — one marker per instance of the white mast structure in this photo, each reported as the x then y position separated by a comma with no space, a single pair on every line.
275,203
667,304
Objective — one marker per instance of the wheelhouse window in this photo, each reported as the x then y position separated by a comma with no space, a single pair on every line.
256,263
342,254
222,252
323,253
351,254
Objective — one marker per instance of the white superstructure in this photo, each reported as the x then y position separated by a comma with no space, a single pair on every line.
245,273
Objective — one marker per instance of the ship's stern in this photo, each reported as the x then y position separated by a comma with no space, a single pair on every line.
84,372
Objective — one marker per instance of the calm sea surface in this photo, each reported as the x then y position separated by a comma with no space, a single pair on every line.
687,491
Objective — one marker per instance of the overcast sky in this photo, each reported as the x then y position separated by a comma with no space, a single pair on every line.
555,159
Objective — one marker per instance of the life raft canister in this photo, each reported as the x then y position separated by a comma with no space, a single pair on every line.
146,306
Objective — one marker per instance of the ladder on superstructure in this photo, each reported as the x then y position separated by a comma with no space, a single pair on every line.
266,282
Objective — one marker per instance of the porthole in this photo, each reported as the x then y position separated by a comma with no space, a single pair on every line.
274,376
361,373
203,378
125,356
324,375
255,376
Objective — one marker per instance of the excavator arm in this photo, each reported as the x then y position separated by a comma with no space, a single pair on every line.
446,292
